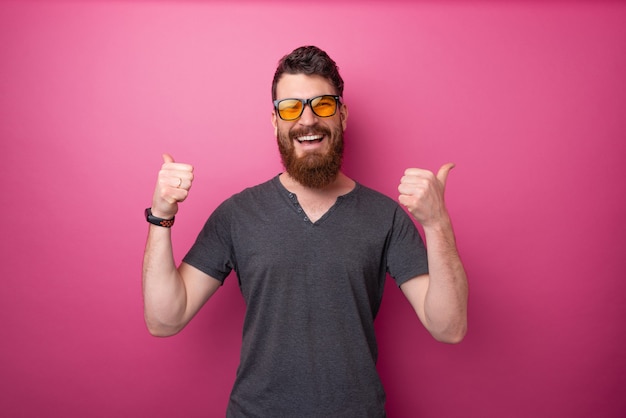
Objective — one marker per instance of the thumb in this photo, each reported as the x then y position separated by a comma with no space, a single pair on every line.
442,174
167,158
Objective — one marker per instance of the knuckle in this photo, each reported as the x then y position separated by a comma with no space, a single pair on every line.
163,192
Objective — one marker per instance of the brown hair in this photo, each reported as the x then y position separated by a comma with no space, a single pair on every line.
309,60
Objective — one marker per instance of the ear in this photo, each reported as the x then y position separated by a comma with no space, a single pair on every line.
275,123
343,114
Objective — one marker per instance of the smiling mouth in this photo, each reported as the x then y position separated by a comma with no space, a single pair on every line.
309,139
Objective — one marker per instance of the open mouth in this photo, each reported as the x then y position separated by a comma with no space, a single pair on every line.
310,139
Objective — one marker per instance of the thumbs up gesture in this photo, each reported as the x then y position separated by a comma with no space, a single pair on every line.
173,184
422,193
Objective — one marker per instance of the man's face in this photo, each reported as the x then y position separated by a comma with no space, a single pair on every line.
311,147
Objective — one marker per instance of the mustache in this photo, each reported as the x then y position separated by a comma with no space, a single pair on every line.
314,130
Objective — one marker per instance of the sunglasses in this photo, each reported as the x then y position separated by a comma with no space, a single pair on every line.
323,106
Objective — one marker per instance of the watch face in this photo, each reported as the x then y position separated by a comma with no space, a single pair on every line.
166,223
150,218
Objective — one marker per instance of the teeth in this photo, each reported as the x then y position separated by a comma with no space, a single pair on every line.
309,138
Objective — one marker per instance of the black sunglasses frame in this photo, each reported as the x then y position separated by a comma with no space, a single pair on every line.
308,102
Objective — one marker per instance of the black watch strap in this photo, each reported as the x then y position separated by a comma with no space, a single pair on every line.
165,223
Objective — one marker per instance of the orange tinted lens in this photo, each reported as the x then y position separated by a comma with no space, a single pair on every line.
324,106
289,109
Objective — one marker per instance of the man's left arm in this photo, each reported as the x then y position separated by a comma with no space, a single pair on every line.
440,297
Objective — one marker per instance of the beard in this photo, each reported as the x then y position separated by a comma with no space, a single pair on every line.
314,169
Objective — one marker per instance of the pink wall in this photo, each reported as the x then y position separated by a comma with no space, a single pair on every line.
529,99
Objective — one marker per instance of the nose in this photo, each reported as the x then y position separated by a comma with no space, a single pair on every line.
308,118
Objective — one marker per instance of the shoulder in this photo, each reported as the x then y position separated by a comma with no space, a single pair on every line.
365,204
265,190
370,196
263,197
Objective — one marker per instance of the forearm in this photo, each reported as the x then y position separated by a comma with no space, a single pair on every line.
163,289
445,305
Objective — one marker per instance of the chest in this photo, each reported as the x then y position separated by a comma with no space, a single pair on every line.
315,208
287,246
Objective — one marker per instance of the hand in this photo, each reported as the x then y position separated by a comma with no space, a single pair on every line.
423,194
173,184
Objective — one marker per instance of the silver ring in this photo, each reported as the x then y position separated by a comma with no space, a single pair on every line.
180,181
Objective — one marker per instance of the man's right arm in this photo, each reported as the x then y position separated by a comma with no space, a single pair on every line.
172,296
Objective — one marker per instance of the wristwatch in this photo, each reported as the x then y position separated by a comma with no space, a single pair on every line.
166,223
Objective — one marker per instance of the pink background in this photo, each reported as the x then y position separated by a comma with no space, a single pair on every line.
529,100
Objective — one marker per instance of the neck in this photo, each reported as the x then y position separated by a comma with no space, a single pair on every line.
317,202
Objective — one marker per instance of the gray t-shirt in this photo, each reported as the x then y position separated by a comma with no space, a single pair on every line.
312,291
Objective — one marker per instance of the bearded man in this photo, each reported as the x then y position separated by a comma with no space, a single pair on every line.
311,249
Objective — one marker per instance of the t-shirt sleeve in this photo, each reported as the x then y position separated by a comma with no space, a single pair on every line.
212,252
406,253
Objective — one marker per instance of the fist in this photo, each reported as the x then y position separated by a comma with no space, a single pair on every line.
422,193
173,184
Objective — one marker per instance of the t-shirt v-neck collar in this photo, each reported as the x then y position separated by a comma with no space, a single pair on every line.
292,200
